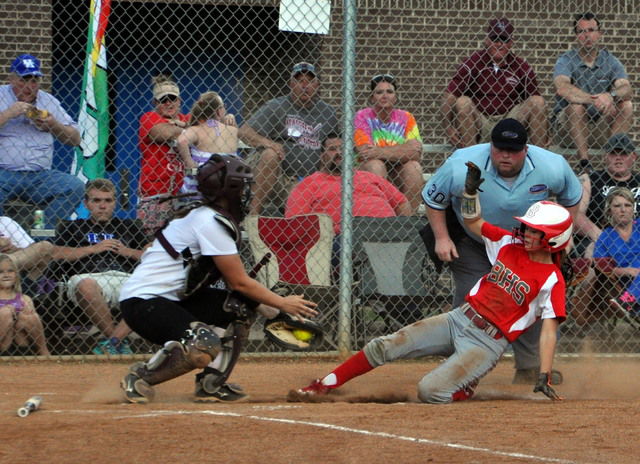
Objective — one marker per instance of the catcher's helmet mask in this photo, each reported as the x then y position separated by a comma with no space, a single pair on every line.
226,177
553,220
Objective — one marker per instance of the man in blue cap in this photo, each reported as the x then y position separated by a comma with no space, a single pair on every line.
30,120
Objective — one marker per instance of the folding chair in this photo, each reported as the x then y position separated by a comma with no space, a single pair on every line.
396,279
301,259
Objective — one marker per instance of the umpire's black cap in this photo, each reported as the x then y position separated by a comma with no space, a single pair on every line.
509,134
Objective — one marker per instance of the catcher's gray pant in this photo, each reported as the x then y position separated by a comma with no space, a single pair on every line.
472,353
467,270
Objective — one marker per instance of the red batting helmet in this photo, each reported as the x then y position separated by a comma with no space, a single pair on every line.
553,220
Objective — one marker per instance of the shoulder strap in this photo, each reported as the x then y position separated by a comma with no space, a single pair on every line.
227,223
166,245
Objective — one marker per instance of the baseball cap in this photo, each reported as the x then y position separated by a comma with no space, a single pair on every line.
26,65
500,29
165,88
509,134
303,67
621,143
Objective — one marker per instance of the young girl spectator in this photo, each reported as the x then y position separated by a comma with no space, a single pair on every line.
621,241
210,131
524,284
19,321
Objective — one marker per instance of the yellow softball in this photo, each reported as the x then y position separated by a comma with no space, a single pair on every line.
302,335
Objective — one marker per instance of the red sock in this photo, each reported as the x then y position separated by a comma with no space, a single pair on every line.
356,365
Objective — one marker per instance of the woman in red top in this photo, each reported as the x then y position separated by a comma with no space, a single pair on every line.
161,171
525,284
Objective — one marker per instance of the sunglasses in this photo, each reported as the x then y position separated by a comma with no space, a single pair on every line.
168,98
383,77
375,80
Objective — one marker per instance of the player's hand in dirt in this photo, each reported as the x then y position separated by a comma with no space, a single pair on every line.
544,385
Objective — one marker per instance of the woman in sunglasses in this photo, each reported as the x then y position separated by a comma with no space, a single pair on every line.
161,171
388,141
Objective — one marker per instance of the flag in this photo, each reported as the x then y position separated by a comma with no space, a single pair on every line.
93,117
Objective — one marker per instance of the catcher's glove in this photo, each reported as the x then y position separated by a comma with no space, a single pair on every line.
473,180
280,331
544,385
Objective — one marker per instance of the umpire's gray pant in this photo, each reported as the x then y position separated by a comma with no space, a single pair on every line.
467,270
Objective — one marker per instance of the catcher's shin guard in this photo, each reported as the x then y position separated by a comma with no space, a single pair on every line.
199,347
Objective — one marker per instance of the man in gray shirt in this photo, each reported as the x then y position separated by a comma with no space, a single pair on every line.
287,133
593,93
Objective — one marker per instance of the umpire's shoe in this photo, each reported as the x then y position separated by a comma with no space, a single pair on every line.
226,393
136,390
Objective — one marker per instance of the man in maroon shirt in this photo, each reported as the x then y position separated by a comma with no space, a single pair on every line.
491,85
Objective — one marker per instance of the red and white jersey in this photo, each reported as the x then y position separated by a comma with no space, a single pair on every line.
517,291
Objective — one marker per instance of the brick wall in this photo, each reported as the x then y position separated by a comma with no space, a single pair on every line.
422,42
25,27
419,41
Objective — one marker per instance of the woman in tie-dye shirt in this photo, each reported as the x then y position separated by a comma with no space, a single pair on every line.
387,140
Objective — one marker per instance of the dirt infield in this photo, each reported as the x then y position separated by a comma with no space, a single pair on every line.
83,419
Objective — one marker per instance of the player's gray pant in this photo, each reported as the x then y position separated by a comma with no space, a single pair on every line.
471,353
467,270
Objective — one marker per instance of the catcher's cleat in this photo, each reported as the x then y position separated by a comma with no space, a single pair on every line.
314,388
227,393
136,390
530,377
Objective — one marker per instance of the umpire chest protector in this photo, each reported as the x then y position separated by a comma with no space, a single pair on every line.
202,272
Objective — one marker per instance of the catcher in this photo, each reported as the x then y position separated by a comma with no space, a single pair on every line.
524,284
169,299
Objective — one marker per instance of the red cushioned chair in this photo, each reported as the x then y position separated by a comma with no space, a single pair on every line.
300,247
301,259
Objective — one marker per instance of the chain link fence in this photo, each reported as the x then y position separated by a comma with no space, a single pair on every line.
268,80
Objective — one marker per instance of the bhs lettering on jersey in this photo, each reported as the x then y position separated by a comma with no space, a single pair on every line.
94,238
508,280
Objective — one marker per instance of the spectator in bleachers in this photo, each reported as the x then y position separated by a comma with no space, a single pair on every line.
619,161
161,171
516,176
210,131
593,92
286,133
621,241
321,192
387,140
99,254
19,321
490,85
30,120
27,255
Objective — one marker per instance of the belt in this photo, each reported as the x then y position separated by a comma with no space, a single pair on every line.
480,322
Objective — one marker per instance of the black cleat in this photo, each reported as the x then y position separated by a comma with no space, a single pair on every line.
227,393
136,390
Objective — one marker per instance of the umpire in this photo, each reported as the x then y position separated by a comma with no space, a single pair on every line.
516,176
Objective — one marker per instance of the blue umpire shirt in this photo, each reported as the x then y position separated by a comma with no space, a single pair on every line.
543,175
